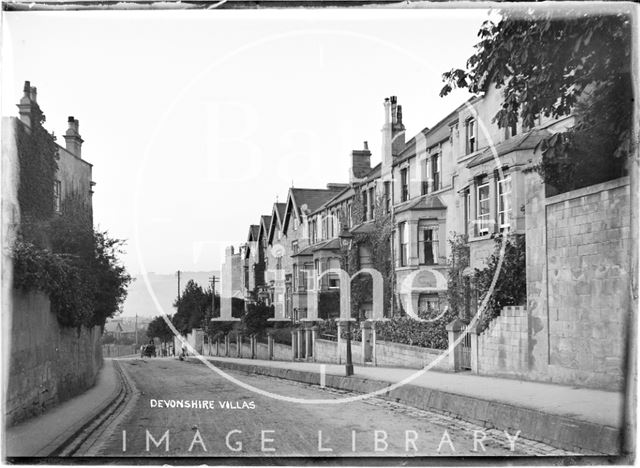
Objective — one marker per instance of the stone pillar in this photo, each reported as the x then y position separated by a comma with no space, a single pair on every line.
218,346
226,345
365,327
239,345
474,334
374,357
314,336
300,344
253,346
308,344
269,346
339,354
454,329
294,344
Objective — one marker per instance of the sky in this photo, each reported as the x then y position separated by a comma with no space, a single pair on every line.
196,122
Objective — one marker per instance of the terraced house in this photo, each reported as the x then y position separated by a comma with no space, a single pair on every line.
462,176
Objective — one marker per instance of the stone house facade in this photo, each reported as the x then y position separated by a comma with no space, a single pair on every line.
466,176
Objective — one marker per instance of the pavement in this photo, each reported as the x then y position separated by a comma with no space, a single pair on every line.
572,418
41,436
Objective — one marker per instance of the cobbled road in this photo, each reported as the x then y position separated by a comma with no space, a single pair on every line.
256,425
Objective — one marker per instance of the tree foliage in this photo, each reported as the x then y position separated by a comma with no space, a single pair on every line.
511,282
191,307
38,159
554,64
158,328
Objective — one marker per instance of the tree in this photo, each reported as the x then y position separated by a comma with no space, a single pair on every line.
553,64
191,307
158,328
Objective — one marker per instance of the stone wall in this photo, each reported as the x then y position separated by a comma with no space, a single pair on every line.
503,348
47,363
116,350
415,357
578,255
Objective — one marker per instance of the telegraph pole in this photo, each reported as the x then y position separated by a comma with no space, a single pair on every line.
213,280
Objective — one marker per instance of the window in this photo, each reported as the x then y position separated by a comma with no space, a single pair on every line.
435,168
279,263
364,253
403,237
372,203
57,196
349,216
428,243
294,279
472,144
425,180
483,207
504,203
387,197
334,280
428,306
467,211
364,205
306,279
294,247
404,184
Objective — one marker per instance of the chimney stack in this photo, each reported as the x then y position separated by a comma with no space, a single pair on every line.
397,127
25,106
360,163
72,138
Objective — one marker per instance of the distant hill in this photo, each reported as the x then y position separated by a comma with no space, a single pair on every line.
165,287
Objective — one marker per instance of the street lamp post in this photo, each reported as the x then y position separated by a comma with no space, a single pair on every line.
346,240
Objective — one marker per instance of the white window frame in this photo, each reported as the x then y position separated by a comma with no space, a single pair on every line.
403,238
483,219
504,203
423,226
472,137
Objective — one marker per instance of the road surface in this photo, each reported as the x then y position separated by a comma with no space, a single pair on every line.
161,421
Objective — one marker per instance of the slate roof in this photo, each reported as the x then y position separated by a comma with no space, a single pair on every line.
280,207
307,251
333,244
422,203
364,228
313,198
521,142
254,229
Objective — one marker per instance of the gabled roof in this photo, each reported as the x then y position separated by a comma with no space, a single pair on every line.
254,229
525,141
307,201
277,216
265,223
422,203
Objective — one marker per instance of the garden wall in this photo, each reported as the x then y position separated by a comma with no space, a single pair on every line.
47,363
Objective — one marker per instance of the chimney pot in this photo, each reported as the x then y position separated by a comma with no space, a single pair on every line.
34,94
27,88
70,119
366,146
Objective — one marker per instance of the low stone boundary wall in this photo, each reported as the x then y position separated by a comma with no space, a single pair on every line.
502,349
116,350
